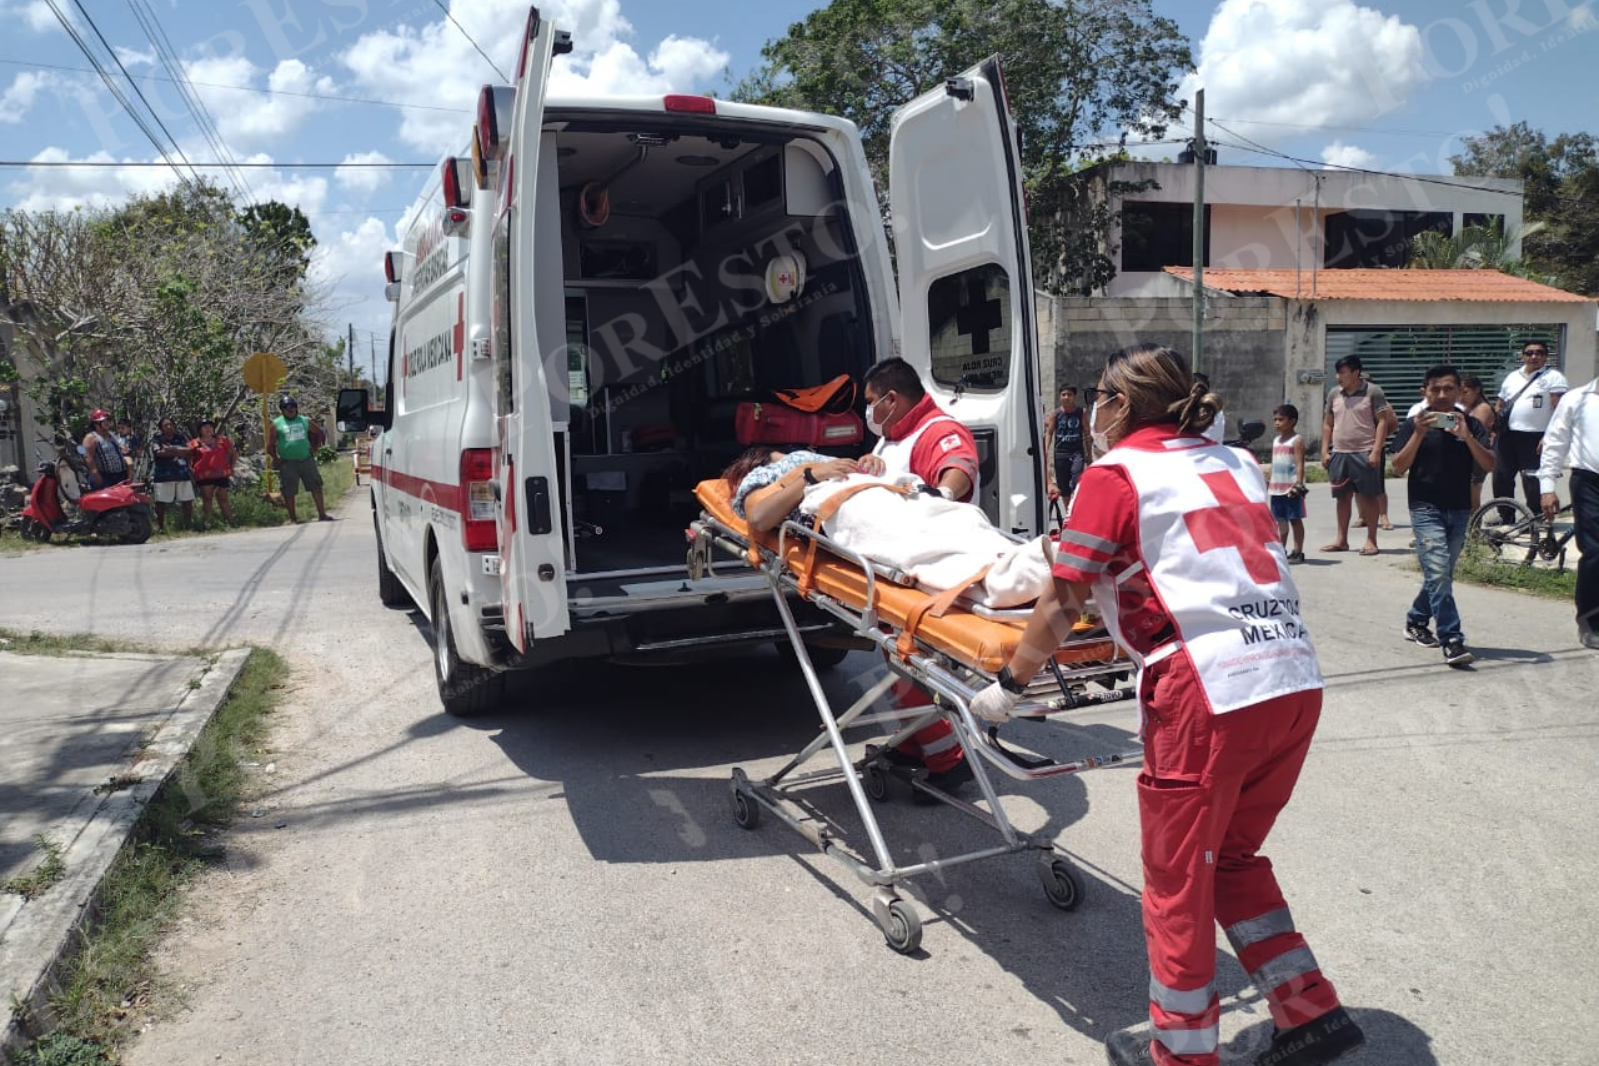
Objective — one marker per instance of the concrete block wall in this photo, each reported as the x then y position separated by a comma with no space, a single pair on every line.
1244,339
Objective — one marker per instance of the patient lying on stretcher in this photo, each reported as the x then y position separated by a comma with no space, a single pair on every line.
939,542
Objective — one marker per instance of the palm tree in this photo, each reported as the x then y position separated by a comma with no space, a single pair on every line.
1474,248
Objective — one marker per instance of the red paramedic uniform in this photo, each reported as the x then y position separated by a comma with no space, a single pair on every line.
925,443
1176,537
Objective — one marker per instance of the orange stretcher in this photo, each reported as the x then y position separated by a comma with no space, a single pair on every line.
948,646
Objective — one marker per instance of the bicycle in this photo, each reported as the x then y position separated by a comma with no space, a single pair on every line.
1528,534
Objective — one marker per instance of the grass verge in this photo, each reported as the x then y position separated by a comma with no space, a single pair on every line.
1479,565
113,980
37,643
50,869
251,510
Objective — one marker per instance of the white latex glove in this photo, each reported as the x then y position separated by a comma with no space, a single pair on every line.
994,704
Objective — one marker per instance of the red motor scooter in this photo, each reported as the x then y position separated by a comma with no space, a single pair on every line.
116,513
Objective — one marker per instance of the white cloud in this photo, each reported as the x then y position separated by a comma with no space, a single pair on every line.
1583,18
348,267
250,120
303,189
65,188
1339,154
132,58
35,14
24,89
365,180
1305,63
435,65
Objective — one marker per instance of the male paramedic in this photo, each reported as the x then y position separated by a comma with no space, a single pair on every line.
1175,542
918,439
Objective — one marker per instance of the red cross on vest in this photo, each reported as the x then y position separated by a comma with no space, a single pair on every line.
1238,524
458,336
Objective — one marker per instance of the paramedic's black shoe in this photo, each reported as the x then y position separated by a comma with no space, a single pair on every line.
1455,654
1589,638
949,781
1323,1040
1419,633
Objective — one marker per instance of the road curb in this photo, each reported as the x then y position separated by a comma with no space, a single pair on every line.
40,936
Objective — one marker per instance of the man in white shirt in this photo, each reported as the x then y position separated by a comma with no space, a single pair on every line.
1573,435
1527,401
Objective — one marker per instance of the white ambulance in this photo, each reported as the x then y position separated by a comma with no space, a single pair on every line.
603,282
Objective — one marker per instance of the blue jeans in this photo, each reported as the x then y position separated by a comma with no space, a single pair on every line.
1439,537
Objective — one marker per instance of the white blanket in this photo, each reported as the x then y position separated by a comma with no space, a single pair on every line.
940,542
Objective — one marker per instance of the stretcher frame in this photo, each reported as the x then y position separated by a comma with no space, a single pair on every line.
952,685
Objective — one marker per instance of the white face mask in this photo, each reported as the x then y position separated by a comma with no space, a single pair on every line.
1100,438
873,426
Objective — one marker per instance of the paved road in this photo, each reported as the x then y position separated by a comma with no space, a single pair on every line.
562,883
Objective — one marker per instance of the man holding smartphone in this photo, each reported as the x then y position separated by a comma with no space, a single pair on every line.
1438,449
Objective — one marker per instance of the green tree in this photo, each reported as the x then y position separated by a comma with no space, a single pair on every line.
150,309
1562,193
1081,76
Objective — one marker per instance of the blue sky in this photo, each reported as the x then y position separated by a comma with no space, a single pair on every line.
1385,84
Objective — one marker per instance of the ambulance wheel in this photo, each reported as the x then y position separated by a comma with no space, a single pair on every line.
875,778
1061,883
390,592
746,809
902,927
822,657
34,530
464,689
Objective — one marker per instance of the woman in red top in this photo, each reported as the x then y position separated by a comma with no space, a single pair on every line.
212,470
1173,537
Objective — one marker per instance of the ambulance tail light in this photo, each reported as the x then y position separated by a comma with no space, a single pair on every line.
454,179
391,267
529,32
693,105
495,106
478,506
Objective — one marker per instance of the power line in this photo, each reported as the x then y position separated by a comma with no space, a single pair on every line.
333,97
99,163
1325,165
440,5
156,34
133,84
1339,129
110,83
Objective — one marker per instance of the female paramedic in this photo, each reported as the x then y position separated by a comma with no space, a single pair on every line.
1172,536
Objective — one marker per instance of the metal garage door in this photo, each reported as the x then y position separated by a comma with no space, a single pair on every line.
1397,357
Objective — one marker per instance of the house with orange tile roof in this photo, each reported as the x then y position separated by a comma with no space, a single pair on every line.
1274,335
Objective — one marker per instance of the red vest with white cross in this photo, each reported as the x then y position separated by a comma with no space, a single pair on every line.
1210,553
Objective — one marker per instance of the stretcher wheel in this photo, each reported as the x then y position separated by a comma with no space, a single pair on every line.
1061,884
902,926
746,809
876,781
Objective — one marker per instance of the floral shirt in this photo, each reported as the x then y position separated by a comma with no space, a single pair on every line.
769,474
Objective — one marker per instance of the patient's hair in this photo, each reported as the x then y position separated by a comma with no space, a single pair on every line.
740,468
1159,387
896,375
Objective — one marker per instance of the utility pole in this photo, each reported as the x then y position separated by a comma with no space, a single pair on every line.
1198,343
372,360
349,351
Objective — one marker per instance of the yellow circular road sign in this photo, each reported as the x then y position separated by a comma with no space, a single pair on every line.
264,372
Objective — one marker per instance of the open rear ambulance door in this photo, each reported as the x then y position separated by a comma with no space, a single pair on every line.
531,535
967,320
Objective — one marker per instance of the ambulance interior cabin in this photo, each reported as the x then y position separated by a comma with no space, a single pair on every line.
704,266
